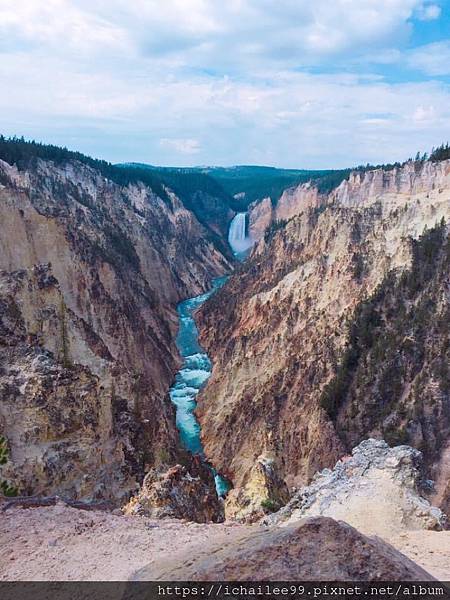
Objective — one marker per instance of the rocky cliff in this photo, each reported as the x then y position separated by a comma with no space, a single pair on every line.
410,178
91,272
180,492
379,490
393,378
292,201
277,333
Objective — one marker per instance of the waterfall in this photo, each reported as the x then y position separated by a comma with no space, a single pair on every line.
237,235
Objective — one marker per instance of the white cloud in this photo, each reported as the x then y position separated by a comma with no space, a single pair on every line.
183,146
60,25
424,114
295,119
206,33
429,12
432,59
200,81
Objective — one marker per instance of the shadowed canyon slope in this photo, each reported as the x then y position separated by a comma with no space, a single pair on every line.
91,273
279,332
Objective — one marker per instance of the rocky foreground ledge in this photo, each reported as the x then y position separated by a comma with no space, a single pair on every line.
366,519
60,543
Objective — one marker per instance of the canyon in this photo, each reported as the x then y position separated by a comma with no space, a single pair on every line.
278,332
91,274
253,383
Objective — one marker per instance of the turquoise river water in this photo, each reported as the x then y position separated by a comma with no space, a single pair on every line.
192,376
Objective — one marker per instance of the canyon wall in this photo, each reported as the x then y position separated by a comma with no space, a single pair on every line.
292,201
91,273
278,331
359,184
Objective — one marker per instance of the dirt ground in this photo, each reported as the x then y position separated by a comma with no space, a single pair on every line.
60,543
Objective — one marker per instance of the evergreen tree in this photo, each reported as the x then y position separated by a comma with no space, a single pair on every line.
440,153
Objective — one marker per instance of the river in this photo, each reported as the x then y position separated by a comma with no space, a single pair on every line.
192,376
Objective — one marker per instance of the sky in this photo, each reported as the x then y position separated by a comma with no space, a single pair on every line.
288,83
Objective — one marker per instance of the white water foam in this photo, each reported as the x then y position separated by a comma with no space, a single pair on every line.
238,239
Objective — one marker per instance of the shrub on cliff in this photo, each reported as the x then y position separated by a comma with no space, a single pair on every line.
269,505
273,228
5,488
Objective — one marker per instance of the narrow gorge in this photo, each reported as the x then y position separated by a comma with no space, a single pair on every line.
194,373
178,354
91,273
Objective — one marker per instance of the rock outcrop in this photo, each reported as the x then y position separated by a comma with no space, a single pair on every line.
264,492
91,273
377,490
278,331
316,549
180,492
293,201
260,217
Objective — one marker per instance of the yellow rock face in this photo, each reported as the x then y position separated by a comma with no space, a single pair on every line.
90,277
275,332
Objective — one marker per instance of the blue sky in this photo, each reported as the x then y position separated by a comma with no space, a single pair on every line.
290,83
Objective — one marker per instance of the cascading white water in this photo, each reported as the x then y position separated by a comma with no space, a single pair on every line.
191,377
238,239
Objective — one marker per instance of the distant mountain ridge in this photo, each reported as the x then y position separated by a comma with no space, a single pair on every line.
244,185
247,183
